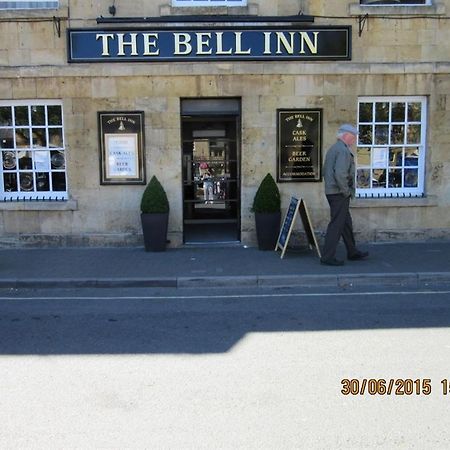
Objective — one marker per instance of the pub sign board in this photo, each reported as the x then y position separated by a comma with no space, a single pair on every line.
260,43
299,145
121,139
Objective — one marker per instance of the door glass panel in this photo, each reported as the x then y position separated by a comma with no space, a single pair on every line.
210,172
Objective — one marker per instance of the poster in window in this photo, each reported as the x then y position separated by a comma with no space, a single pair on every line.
299,145
121,137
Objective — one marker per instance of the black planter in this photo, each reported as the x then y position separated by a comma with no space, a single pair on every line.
154,227
267,229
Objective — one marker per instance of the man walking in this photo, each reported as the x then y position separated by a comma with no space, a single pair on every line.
339,176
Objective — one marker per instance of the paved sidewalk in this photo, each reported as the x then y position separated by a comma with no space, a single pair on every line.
400,264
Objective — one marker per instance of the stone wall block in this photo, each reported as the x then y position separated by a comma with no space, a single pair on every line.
76,88
309,85
104,87
21,222
139,87
24,88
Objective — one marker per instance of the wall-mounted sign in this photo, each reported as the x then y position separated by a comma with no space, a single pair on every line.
209,44
121,137
299,144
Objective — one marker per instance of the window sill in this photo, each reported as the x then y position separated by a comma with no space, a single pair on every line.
394,202
67,205
250,10
438,9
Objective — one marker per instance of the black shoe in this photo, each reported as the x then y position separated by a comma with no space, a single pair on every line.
331,262
358,255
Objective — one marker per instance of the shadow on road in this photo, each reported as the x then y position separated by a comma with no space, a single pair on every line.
198,326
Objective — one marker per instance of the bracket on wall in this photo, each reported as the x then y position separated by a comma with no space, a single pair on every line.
57,25
362,23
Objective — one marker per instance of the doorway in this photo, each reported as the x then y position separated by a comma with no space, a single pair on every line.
211,171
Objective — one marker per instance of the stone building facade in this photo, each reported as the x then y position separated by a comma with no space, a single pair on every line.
395,85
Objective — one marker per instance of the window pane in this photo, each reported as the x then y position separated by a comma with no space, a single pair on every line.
33,4
5,115
363,156
21,115
57,159
411,177
395,178
363,178
365,135
412,156
394,2
59,181
379,178
382,112
39,137
398,112
413,136
414,112
381,134
365,112
9,160
42,181
25,161
54,115
26,181
23,137
396,157
56,137
10,182
6,138
398,134
209,2
38,115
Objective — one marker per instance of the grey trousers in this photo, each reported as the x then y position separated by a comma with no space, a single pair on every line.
340,225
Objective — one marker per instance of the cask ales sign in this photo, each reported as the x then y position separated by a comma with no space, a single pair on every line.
257,43
299,144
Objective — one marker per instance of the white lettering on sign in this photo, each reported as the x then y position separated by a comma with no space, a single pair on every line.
207,43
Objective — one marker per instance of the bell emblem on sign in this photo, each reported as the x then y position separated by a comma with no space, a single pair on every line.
121,126
299,124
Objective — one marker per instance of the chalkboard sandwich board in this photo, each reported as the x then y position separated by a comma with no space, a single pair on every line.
296,207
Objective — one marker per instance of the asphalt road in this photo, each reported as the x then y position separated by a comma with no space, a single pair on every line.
224,369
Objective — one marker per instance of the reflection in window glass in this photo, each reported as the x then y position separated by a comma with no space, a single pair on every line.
414,112
381,134
365,135
38,115
5,116
390,155
382,112
365,112
363,156
21,115
398,112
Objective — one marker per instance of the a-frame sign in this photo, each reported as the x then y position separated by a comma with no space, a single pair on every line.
296,207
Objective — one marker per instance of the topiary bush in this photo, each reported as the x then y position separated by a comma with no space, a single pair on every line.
154,198
267,198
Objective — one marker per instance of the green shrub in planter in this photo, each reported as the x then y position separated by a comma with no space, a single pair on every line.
267,198
267,209
154,198
155,216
